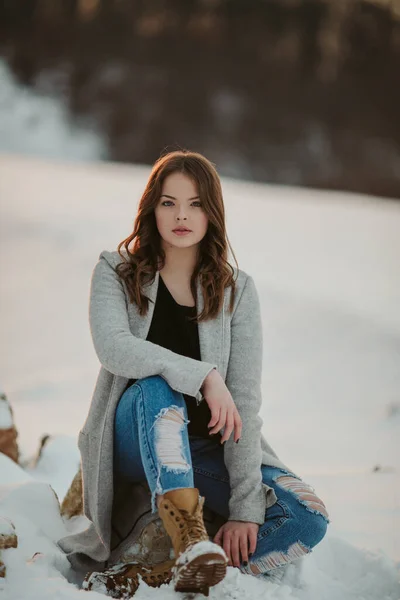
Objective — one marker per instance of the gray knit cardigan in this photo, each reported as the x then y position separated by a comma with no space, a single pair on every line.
232,343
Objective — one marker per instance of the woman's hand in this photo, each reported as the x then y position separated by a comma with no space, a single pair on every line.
237,537
223,409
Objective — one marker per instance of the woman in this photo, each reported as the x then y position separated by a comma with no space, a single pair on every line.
177,399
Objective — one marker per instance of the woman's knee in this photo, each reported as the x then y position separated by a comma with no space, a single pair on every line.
124,409
156,386
153,387
153,380
308,510
154,394
312,526
302,491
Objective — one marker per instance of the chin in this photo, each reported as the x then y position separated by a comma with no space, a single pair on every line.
183,243
177,240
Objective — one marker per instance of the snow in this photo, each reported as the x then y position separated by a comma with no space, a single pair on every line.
6,527
34,122
326,268
61,450
198,549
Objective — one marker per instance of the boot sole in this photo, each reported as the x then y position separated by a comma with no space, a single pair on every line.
200,574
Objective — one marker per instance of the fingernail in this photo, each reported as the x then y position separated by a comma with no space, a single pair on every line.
222,443
245,563
237,441
250,554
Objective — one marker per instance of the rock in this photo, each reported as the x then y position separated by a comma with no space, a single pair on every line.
8,431
72,505
8,539
43,441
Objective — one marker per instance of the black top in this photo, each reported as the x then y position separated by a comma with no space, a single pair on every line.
171,329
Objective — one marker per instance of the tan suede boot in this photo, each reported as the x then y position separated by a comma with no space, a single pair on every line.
200,563
122,580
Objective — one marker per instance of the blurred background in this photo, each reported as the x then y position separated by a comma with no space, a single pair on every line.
298,92
296,102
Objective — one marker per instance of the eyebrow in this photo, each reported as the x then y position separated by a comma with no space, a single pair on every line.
172,198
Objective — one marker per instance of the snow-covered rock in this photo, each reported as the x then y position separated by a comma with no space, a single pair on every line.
34,511
72,505
57,462
8,539
8,431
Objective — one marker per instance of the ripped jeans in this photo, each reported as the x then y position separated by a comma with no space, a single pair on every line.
151,443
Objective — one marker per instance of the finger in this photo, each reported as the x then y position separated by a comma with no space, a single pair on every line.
244,545
228,427
218,537
227,548
252,541
238,426
215,417
221,421
235,550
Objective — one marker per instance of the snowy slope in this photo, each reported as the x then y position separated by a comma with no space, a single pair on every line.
37,123
326,269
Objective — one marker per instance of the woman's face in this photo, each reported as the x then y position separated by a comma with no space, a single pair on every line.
179,204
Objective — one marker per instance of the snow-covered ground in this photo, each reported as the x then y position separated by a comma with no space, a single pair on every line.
326,267
38,122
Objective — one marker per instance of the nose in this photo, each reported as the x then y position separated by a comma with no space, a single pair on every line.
181,214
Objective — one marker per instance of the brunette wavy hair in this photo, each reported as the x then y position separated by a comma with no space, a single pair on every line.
140,264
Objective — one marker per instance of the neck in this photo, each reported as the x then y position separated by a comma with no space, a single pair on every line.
179,262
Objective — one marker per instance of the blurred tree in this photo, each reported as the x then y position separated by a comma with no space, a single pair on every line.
293,91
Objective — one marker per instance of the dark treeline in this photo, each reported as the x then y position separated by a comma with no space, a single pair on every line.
304,92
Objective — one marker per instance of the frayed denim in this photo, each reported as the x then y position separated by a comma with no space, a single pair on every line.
151,442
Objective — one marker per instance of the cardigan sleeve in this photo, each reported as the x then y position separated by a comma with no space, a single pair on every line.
243,379
122,353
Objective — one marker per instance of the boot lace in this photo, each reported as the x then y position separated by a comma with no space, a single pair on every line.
193,529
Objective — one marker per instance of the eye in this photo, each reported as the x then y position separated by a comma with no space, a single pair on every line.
195,202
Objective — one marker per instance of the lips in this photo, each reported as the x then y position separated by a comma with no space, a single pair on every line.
181,229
